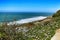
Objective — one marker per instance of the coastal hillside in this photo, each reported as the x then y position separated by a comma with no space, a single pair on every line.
38,30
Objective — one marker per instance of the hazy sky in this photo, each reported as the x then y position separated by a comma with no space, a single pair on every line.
29,5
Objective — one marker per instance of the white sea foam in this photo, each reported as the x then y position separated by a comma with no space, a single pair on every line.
22,21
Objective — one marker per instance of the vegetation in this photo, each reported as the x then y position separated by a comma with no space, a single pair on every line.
57,14
39,30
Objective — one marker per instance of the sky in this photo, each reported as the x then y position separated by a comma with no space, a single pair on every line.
29,5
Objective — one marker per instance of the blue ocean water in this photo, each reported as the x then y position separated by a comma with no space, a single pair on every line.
11,16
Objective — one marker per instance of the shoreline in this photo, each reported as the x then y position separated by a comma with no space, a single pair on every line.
28,20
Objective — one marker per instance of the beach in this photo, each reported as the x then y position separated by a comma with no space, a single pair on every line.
27,20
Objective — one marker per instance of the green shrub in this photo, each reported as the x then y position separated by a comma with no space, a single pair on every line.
57,14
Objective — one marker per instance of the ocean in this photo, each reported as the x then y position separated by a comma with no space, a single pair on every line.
14,16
